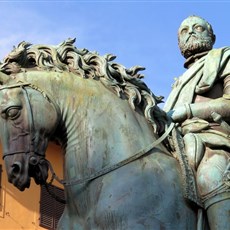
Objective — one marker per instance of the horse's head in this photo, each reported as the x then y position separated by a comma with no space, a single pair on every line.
28,119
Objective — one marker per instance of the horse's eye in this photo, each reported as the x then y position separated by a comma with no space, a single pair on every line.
12,113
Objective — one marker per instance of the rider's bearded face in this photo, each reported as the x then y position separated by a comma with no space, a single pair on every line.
194,36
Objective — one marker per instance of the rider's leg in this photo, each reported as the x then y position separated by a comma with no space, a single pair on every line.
219,214
213,185
194,149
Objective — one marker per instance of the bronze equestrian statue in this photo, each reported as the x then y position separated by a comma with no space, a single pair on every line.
126,165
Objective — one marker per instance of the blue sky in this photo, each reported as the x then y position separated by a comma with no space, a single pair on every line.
137,32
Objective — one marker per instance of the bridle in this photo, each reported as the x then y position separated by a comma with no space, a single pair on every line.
27,130
34,158
31,151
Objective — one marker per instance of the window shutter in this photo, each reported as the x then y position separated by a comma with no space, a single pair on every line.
50,209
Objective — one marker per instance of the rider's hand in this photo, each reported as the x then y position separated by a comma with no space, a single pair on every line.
179,114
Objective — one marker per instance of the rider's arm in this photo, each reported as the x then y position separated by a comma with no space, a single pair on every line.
204,110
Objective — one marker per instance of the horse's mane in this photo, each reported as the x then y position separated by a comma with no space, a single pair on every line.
126,83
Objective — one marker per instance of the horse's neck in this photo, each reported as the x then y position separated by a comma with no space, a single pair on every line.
101,129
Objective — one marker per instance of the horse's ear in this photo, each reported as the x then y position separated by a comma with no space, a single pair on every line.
3,78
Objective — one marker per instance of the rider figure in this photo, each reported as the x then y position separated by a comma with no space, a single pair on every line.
200,103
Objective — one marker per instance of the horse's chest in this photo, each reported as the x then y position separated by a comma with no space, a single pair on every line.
122,196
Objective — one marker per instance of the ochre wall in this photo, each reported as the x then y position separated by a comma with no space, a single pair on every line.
20,210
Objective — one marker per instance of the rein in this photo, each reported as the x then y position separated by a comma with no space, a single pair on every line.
113,167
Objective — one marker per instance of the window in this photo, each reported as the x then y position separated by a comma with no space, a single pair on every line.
50,209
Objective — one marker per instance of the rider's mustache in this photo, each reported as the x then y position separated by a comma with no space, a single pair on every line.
191,36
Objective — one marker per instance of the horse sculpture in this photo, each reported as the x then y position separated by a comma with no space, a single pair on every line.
102,115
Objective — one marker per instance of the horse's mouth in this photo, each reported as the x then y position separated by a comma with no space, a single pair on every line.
39,172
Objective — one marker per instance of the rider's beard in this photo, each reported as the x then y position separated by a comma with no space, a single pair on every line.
195,45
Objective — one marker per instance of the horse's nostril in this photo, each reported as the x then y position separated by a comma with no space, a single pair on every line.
16,168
